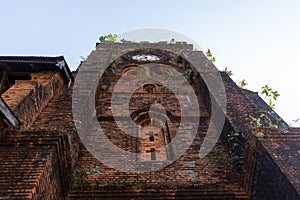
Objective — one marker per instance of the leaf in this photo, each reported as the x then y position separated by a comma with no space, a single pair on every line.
208,53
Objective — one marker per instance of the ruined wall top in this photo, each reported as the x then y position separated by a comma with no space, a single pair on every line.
178,46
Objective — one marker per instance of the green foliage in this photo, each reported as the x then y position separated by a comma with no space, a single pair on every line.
210,56
104,87
75,124
108,38
242,84
187,74
270,95
228,72
261,121
255,122
236,154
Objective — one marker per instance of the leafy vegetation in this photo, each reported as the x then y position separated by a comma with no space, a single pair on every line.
210,56
187,73
104,87
270,97
242,84
236,154
108,38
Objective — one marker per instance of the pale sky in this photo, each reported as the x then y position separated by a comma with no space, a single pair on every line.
259,40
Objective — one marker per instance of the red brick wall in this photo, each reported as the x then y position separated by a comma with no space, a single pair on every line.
270,166
29,173
27,98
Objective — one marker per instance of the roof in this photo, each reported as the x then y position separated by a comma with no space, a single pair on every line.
283,147
37,63
262,105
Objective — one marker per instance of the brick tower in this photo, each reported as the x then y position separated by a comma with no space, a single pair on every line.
44,156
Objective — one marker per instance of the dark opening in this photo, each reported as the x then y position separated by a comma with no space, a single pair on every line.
151,137
153,156
149,88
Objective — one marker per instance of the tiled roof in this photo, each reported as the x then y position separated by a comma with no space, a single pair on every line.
30,58
284,148
239,105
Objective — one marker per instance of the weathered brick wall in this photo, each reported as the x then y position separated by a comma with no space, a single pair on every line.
29,173
91,176
34,164
3,126
188,170
266,175
49,185
139,101
27,98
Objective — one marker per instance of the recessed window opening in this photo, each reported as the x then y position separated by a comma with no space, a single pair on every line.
153,156
151,137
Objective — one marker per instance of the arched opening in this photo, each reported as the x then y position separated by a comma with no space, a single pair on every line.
154,135
149,88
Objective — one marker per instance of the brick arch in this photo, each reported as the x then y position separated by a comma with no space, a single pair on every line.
150,87
129,67
166,57
138,112
159,70
154,134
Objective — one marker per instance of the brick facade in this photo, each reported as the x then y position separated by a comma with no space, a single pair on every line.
44,157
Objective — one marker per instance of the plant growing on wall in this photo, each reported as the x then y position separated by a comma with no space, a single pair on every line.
108,38
187,73
236,153
242,84
104,87
270,96
210,56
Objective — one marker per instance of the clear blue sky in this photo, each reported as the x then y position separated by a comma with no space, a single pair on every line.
259,40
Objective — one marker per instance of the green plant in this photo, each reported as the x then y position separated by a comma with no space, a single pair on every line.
75,124
242,84
227,72
236,154
256,121
108,38
210,56
104,87
262,120
270,95
187,74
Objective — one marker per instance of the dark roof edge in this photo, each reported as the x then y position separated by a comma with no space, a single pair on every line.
58,61
9,115
62,64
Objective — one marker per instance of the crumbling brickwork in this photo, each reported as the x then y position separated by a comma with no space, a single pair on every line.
48,160
27,98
